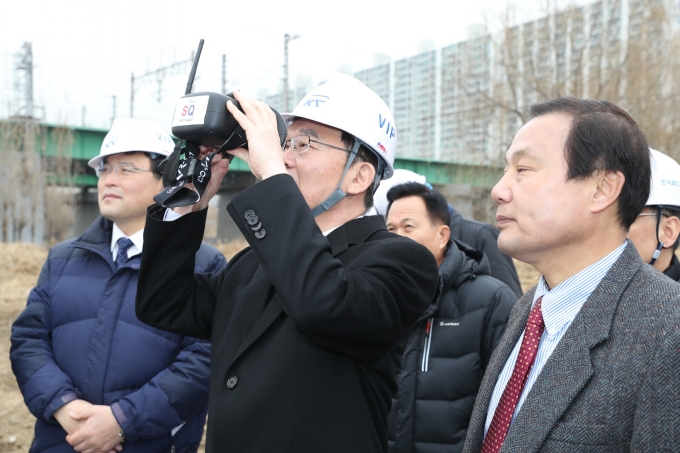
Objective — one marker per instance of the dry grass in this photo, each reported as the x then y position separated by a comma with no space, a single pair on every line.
19,269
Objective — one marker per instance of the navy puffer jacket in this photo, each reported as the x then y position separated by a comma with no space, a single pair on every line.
79,338
446,355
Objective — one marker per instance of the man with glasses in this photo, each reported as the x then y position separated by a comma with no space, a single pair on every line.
93,374
308,324
656,230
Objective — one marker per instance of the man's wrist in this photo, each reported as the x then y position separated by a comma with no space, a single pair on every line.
120,419
273,172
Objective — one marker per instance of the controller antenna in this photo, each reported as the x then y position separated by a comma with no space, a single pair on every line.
192,74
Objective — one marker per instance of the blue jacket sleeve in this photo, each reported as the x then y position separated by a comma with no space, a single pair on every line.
209,260
45,387
217,264
169,399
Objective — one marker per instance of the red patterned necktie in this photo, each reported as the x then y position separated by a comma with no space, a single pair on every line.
525,360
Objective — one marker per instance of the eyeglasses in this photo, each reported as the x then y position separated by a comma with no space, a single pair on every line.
300,144
123,170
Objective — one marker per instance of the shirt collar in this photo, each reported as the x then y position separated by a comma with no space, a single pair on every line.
137,241
561,304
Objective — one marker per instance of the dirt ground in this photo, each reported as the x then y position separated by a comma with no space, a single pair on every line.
19,269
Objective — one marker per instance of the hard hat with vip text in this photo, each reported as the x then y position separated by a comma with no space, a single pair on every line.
345,103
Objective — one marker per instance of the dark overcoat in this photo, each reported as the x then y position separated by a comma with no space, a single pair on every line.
307,331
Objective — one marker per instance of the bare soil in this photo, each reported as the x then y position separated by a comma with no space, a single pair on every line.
19,269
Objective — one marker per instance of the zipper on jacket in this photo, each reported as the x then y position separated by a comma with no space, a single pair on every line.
426,348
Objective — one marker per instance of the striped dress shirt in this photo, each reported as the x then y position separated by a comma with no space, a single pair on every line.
559,306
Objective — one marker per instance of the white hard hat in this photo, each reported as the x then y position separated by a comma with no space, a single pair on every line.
399,177
129,134
665,189
345,103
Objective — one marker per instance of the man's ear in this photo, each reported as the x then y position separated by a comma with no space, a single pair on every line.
360,176
669,231
608,186
444,234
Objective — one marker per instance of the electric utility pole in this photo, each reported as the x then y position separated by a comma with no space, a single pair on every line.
24,80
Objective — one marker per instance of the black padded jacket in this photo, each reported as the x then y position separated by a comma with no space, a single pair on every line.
447,354
673,270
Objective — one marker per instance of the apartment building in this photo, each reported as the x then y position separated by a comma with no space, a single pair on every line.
464,102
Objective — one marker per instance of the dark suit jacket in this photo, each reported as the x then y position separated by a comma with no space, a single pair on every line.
613,382
307,331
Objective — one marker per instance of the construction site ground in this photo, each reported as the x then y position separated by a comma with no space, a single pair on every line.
19,269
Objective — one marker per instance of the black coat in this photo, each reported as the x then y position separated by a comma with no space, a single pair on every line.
441,371
306,330
484,237
673,269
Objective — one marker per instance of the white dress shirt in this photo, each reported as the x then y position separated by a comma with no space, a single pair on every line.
559,306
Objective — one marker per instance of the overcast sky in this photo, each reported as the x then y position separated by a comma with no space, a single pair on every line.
85,50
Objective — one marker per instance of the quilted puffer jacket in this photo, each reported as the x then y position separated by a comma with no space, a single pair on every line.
79,338
446,355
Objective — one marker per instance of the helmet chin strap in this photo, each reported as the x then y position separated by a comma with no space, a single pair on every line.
339,194
657,252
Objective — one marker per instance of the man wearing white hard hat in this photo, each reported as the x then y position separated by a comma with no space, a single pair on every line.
309,322
92,373
655,232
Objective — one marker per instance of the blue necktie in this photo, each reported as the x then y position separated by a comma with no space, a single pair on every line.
123,245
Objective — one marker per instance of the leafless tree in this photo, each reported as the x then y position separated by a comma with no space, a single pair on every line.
37,193
61,192
624,51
